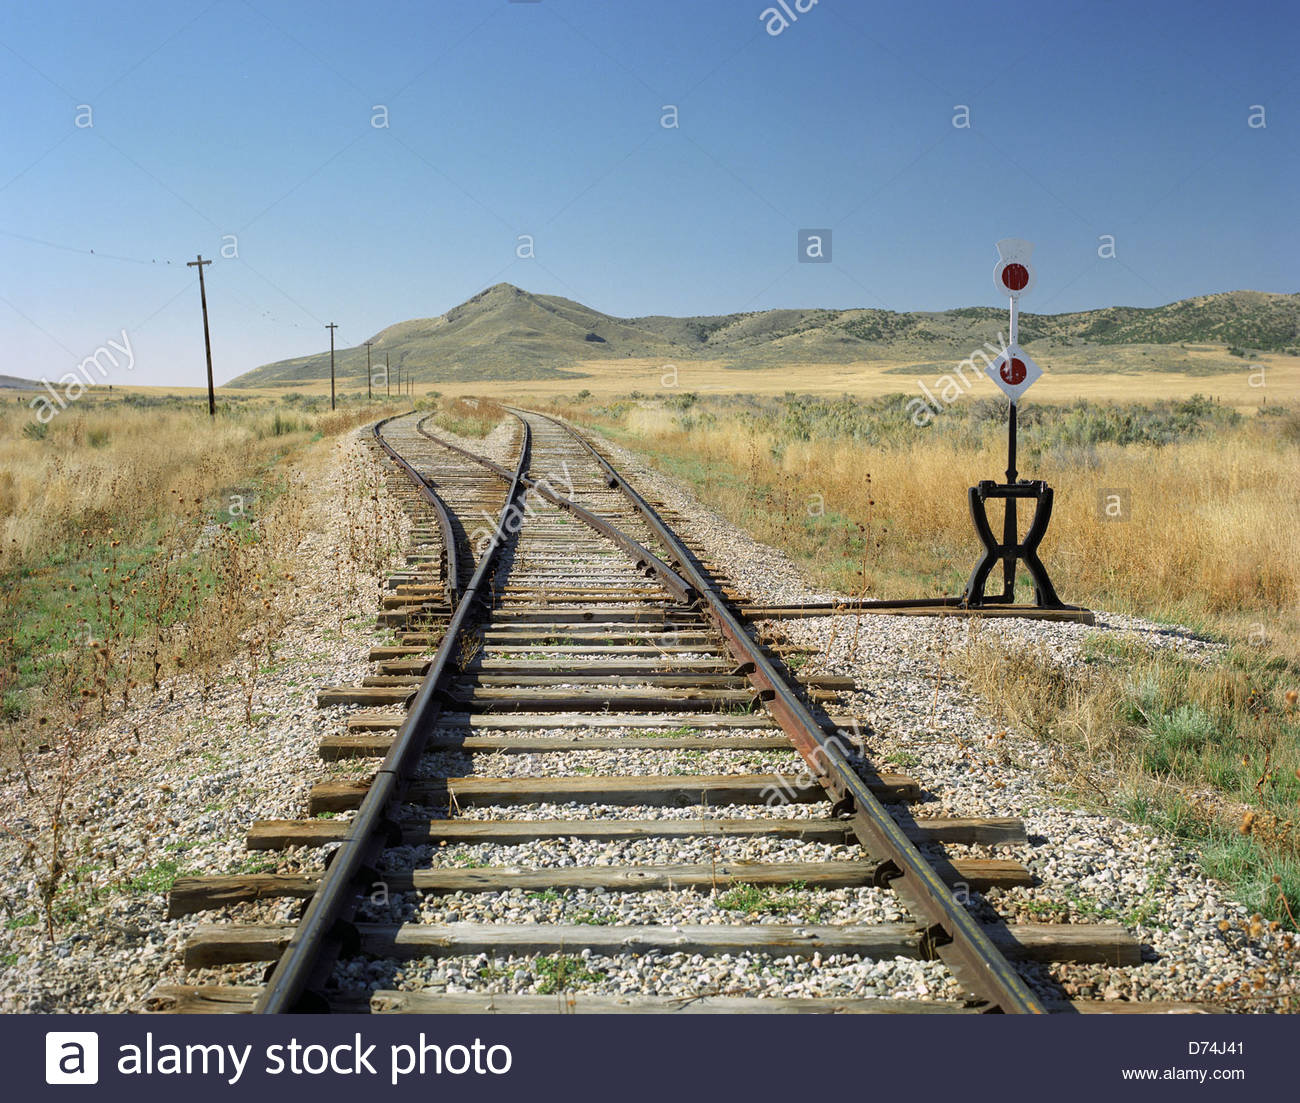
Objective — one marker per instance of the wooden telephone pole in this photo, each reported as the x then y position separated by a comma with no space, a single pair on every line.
369,377
207,340
331,327
388,377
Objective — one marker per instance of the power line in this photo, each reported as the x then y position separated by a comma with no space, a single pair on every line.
84,252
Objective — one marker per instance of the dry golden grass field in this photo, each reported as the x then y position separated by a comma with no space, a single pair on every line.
1115,373
1068,375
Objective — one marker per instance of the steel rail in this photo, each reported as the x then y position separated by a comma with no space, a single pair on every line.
644,559
326,921
952,934
451,555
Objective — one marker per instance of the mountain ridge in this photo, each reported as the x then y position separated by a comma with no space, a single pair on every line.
505,332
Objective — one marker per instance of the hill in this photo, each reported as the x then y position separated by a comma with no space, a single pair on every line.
506,333
13,382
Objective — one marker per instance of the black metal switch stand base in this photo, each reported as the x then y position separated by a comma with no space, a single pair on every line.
1010,549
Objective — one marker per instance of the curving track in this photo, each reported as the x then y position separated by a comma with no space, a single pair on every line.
549,617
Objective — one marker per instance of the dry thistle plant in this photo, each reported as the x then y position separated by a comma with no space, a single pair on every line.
945,641
51,781
469,644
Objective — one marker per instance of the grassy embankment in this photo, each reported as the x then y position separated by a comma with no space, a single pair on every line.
120,520
873,505
138,539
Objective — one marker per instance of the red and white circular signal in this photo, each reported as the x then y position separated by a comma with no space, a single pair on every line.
1014,372
1013,273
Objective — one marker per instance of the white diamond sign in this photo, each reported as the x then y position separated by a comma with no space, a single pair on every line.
1014,372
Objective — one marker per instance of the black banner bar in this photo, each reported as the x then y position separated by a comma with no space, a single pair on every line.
663,1058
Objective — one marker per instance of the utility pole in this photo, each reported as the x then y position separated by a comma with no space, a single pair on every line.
388,378
331,327
368,375
207,340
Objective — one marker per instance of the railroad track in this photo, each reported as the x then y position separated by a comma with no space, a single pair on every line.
573,718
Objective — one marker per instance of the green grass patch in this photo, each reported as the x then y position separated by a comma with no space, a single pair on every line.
157,878
1208,751
253,863
768,900
562,972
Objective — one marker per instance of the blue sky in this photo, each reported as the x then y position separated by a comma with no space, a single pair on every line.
544,119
